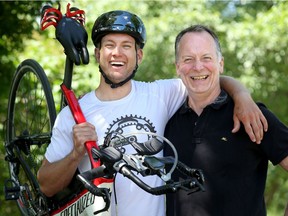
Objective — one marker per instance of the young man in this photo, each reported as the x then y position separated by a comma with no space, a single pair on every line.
122,104
235,168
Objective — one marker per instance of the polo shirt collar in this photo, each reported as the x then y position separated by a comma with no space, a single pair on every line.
217,104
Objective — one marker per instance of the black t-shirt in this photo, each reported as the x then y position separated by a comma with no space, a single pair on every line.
235,168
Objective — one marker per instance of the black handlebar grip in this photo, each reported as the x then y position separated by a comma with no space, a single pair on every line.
150,147
95,173
108,155
169,188
164,189
125,171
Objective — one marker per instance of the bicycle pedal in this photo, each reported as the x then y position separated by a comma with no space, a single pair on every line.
11,192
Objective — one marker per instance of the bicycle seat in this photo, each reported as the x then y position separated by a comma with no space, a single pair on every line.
73,37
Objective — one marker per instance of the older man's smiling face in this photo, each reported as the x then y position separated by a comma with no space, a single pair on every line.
198,64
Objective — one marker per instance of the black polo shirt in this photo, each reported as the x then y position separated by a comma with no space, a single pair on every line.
235,168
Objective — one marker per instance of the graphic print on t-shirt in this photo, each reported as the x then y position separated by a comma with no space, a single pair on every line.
127,125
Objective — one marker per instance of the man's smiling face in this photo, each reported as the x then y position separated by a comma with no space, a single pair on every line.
118,56
198,64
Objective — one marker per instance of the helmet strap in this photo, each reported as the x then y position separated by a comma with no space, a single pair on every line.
115,85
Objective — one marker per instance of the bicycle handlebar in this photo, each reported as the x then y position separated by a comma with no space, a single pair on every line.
114,161
171,187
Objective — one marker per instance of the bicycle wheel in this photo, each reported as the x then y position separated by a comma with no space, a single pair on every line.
31,115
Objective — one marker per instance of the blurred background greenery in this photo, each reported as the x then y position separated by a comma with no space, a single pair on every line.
253,35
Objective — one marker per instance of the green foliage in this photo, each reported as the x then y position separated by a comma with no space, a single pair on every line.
17,24
254,42
17,21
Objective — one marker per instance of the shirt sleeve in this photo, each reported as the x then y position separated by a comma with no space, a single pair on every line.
275,141
61,143
173,92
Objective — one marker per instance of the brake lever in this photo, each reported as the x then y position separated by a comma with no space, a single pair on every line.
103,192
136,163
106,199
196,173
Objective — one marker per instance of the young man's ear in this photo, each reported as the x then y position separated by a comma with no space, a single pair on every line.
140,55
97,54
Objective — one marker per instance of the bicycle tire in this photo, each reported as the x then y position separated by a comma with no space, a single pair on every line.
31,116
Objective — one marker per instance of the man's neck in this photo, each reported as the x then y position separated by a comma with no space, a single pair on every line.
105,93
198,102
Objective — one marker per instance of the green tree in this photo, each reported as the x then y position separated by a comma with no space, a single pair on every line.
17,23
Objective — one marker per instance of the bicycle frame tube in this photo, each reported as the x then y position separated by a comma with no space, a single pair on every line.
67,78
79,118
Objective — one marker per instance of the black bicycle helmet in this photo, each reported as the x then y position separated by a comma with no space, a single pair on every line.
121,22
